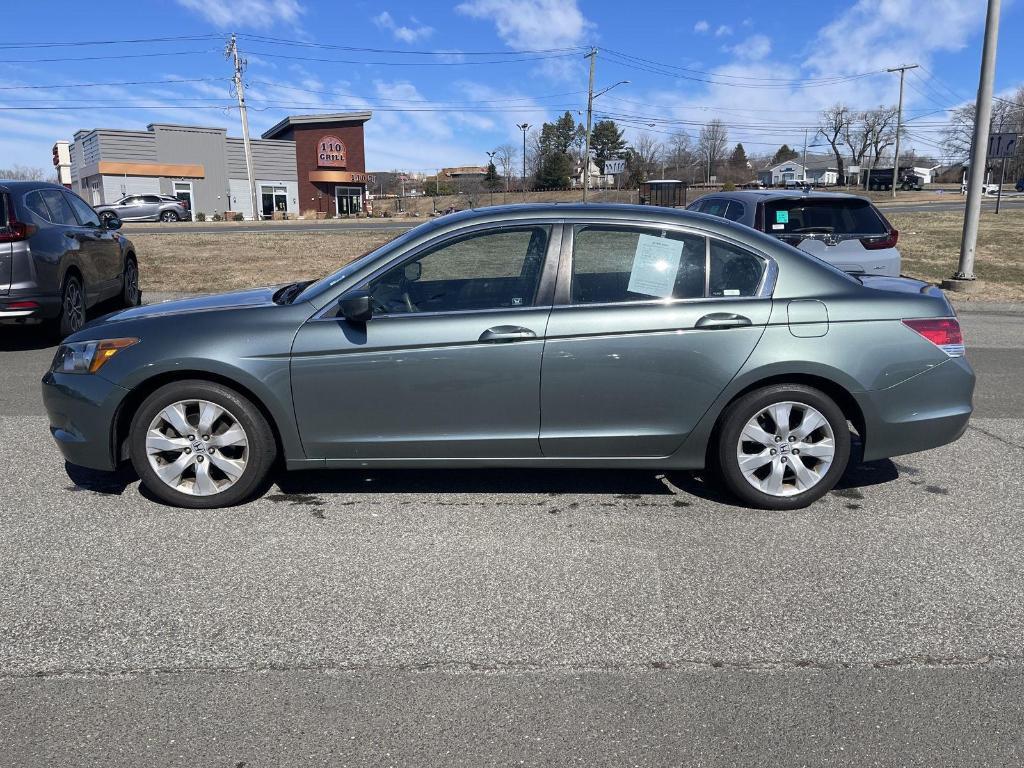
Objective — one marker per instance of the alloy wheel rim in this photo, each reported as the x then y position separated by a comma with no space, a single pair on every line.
167,216
786,448
73,308
131,280
197,447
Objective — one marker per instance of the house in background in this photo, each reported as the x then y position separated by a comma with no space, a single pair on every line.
820,173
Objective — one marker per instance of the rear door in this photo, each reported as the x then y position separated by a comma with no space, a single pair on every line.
449,365
650,323
76,241
848,233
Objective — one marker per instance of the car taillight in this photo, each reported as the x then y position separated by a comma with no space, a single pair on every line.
943,332
881,241
15,231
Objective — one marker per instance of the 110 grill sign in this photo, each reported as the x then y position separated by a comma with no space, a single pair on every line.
331,152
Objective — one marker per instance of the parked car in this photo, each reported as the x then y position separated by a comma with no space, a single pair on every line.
57,259
1019,186
147,208
881,179
844,230
529,336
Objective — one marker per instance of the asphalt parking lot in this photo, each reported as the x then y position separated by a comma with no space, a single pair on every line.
498,617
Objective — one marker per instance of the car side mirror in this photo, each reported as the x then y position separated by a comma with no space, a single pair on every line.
356,306
110,221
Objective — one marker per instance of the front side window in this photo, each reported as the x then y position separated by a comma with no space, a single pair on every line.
734,271
496,269
86,215
134,200
59,208
614,264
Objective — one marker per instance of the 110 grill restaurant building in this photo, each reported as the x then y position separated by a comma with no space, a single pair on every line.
304,163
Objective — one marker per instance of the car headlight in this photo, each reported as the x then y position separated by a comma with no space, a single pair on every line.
87,356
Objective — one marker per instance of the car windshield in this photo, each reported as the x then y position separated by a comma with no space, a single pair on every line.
833,216
324,284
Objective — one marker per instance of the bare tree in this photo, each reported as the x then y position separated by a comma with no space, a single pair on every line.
642,157
833,125
1007,115
679,153
25,173
506,155
711,145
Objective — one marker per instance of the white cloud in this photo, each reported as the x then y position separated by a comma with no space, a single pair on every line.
534,24
701,27
260,14
385,20
723,31
753,48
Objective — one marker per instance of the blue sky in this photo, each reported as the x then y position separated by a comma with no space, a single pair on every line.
437,102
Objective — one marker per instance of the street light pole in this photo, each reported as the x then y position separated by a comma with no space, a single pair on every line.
524,127
490,163
899,127
979,152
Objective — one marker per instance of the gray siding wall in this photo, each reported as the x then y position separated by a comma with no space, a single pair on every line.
186,144
127,146
271,159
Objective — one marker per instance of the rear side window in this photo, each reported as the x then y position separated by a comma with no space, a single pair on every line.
35,204
735,210
151,199
827,216
715,207
734,271
59,211
615,264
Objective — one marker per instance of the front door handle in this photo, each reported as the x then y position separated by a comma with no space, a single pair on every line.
503,333
723,320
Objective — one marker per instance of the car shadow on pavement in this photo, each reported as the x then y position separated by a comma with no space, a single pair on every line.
25,338
95,480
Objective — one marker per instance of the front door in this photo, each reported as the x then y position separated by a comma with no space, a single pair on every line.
448,367
99,243
644,337
349,200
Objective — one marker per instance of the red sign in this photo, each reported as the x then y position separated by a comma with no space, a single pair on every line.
330,152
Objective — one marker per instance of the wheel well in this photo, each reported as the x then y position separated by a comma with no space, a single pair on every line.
132,402
72,270
846,402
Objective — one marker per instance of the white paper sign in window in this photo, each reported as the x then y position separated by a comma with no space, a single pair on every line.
655,266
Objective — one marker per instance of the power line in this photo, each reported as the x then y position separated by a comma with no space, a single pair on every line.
81,43
329,46
106,58
289,57
413,101
62,86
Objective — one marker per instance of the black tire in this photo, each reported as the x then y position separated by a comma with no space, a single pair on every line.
168,216
131,295
739,413
72,307
260,458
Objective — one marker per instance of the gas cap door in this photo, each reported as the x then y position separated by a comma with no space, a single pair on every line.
807,318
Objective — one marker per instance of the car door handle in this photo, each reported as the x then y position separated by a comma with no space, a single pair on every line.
72,235
723,320
502,333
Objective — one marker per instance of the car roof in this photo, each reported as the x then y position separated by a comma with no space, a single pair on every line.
765,195
12,185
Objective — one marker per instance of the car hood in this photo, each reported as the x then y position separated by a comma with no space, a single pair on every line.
254,297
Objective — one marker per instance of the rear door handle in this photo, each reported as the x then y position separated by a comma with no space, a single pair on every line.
723,320
504,333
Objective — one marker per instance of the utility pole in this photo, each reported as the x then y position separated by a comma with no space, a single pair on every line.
590,113
239,62
899,127
979,151
805,154
524,127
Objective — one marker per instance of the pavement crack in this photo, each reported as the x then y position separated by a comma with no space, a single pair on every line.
994,436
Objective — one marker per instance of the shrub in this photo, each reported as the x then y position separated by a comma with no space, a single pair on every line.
238,217
728,187
200,216
217,217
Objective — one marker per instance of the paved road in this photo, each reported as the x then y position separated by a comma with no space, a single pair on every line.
956,203
492,617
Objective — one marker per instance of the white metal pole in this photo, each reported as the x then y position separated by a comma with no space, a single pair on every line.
590,112
240,92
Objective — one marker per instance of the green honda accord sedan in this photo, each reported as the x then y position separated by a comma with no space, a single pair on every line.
525,336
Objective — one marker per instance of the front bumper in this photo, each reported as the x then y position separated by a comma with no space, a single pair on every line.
923,412
82,409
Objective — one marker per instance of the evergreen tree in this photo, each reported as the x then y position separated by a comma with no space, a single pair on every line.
783,154
607,141
738,158
491,179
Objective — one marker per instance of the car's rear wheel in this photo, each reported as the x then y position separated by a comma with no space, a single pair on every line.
131,296
199,444
782,447
168,216
72,306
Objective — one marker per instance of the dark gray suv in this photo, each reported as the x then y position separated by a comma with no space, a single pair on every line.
57,258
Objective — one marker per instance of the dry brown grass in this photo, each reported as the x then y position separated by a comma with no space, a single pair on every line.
223,262
929,242
930,245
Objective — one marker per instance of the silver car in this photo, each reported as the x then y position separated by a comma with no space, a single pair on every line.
147,208
847,231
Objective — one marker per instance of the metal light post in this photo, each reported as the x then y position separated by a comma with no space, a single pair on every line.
490,163
524,127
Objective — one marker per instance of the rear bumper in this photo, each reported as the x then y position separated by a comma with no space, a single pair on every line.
28,307
923,412
81,409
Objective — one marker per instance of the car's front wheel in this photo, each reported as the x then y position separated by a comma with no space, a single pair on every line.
783,446
199,444
168,216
